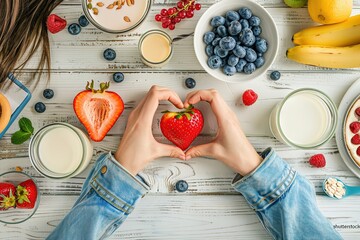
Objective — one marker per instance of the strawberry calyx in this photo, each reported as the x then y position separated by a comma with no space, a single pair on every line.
7,201
178,115
103,87
22,194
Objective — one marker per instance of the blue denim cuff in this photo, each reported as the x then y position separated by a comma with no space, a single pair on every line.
269,181
116,185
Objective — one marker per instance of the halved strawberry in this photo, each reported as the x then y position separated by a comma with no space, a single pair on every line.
7,196
26,194
98,110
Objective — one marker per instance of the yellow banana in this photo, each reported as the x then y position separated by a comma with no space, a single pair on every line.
324,56
336,35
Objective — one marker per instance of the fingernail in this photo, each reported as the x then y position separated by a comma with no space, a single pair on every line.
188,158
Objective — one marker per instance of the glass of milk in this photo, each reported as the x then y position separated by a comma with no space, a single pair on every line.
155,47
60,150
305,119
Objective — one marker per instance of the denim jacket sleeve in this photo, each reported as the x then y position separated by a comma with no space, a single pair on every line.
284,201
108,196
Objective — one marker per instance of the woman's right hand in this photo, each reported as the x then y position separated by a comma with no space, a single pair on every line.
230,144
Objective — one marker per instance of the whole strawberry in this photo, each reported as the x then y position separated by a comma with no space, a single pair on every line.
249,97
55,23
318,160
181,128
26,194
7,196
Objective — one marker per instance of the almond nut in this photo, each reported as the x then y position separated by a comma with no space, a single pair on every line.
128,2
111,6
96,11
132,2
100,4
127,19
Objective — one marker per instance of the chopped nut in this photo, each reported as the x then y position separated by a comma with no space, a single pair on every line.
96,11
122,2
18,169
127,19
128,2
111,6
100,4
119,6
132,2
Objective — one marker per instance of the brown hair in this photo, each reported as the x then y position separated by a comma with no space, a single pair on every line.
22,32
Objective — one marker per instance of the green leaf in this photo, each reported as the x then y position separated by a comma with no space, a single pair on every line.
26,125
20,137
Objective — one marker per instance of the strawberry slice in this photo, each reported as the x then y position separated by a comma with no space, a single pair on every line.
26,193
7,196
181,128
55,23
98,110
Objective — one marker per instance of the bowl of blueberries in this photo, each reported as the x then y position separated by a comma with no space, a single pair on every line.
236,41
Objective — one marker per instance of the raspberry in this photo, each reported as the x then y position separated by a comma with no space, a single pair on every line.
355,139
355,127
55,23
358,151
249,97
318,160
357,111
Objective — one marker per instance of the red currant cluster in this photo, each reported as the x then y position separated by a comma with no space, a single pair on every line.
172,16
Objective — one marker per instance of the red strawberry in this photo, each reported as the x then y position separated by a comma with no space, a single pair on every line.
98,110
355,127
357,111
249,97
358,151
55,23
318,160
7,196
26,194
181,128
355,139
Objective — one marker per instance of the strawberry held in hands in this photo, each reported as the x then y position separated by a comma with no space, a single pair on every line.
7,196
98,110
181,128
26,194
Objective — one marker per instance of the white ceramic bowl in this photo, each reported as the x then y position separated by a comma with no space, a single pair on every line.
269,32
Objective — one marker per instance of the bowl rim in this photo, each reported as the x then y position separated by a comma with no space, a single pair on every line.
231,79
37,203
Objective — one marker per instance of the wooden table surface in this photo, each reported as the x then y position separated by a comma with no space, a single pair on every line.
210,209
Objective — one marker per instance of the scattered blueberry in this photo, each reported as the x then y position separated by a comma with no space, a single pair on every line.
249,68
109,54
74,29
40,107
190,83
250,55
254,21
234,28
220,52
227,43
245,13
48,93
83,21
233,60
214,62
209,37
221,31
275,75
217,21
247,37
239,51
229,70
244,23
256,30
118,77
261,45
259,62
232,16
216,41
240,66
209,50
181,186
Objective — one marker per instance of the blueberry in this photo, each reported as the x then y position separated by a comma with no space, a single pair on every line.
216,41
232,16
118,77
251,55
48,93
244,23
234,28
259,54
209,37
217,21
74,29
249,68
261,45
259,62
247,37
239,51
254,21
40,107
190,83
227,23
214,62
245,12
224,61
220,52
256,30
209,50
181,186
233,60
222,31
227,43
109,54
240,66
229,70
83,21
275,75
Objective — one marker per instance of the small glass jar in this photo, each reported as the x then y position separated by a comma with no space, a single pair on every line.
155,47
60,150
305,119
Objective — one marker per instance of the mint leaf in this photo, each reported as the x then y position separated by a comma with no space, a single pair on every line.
20,137
26,125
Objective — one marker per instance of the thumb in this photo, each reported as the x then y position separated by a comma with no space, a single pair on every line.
165,150
200,151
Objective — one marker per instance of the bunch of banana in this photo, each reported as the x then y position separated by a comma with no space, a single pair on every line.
333,46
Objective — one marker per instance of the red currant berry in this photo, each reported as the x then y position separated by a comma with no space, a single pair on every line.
189,14
164,25
182,14
191,8
172,26
173,21
198,6
164,19
158,17
180,5
177,20
163,12
170,11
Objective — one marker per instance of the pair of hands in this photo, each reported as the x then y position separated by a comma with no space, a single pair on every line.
139,147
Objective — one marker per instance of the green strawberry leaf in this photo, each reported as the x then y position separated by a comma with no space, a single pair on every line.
20,137
26,125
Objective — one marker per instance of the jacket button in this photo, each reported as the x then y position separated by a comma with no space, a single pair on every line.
103,169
